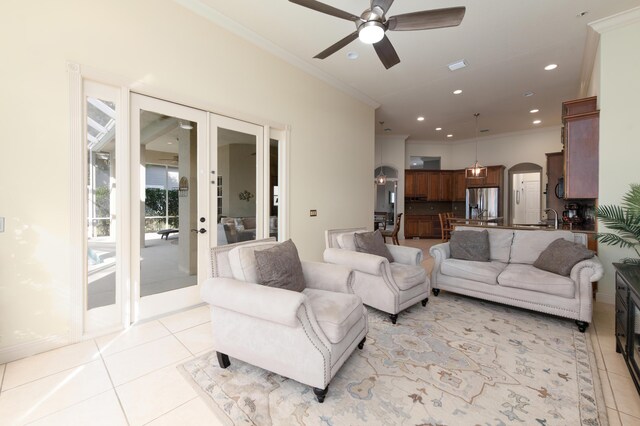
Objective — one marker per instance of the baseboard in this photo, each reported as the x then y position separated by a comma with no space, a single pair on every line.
33,347
605,298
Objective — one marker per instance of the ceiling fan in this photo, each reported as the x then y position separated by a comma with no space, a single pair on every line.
372,25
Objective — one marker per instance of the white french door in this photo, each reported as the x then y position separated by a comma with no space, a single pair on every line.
169,215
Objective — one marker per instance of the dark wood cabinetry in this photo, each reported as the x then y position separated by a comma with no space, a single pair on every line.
495,177
459,186
580,137
555,181
422,226
628,317
416,184
439,186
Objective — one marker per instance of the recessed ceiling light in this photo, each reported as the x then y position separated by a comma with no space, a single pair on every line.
352,55
438,129
533,111
551,67
527,94
169,143
420,118
449,136
537,121
457,92
387,129
185,125
457,65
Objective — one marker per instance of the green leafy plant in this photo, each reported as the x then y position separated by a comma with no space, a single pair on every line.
625,221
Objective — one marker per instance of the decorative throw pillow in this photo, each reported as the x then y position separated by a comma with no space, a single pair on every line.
279,266
470,245
561,256
372,243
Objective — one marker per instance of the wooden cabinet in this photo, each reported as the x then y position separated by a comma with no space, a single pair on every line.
495,177
415,184
446,186
434,182
555,181
459,186
627,325
422,226
580,138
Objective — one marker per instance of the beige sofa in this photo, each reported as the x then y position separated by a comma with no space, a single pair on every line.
510,277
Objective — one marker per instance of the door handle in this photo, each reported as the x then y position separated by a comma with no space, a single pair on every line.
201,230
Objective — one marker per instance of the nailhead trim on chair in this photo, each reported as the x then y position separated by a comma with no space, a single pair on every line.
306,314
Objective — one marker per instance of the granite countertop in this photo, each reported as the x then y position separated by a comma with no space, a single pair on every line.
525,227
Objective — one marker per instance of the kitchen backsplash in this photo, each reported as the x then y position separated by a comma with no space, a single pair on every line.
433,208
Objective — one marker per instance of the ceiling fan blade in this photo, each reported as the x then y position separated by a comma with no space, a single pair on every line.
337,46
386,53
382,4
325,8
427,19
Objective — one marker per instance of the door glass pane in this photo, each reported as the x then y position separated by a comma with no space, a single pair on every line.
236,186
101,203
274,199
168,248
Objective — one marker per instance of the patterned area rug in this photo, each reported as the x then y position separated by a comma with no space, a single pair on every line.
459,361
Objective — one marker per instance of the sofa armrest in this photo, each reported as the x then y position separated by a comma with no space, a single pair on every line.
440,252
590,270
406,255
325,276
363,262
255,300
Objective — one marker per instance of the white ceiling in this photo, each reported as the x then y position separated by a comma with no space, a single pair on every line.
506,44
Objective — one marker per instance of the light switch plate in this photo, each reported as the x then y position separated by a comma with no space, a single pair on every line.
313,213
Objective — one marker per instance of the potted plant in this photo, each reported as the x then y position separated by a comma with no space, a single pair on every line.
625,221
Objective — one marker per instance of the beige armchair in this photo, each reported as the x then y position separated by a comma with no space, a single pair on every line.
317,328
389,287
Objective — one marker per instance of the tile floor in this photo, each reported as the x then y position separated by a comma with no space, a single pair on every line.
129,378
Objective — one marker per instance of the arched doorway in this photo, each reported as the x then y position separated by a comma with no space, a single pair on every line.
525,194
386,195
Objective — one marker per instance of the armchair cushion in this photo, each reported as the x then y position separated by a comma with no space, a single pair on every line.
279,266
242,261
561,255
407,276
372,243
336,313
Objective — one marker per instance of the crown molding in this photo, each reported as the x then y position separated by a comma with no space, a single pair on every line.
616,21
200,8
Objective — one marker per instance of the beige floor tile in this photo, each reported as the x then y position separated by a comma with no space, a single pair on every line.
38,366
133,336
101,410
615,363
187,319
614,417
625,394
628,420
132,363
53,393
197,339
609,400
192,413
154,394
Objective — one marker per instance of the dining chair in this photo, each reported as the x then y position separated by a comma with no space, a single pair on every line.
445,226
394,232
380,218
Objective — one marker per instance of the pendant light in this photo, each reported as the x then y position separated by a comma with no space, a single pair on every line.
381,178
476,171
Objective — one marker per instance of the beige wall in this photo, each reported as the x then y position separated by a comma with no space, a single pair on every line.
619,131
164,48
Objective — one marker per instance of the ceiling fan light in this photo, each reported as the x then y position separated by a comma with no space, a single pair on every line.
371,32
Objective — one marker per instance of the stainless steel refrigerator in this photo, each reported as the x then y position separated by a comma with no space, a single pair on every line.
482,203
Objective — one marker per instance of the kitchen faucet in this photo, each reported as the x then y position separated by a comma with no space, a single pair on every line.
555,221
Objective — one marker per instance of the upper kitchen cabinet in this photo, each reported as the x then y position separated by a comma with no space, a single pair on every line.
580,138
495,177
439,184
459,186
416,184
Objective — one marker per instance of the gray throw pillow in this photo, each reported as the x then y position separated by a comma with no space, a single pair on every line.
279,266
372,243
561,256
470,245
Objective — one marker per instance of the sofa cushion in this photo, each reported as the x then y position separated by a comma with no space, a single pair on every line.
336,313
486,272
407,276
499,242
527,277
243,261
527,245
470,245
561,255
279,266
372,243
